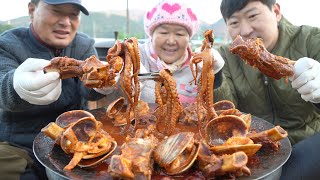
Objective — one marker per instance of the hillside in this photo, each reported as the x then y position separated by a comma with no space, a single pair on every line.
104,24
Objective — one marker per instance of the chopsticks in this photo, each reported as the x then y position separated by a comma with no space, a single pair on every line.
149,76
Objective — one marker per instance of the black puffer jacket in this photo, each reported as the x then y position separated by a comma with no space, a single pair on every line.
21,121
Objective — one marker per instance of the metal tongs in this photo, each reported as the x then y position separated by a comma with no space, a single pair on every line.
149,76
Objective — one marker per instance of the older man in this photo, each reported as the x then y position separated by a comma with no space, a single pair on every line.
30,99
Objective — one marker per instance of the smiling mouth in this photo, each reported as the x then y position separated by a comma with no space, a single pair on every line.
61,32
170,50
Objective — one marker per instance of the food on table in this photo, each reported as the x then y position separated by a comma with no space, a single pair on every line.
229,166
115,113
270,139
129,81
92,71
253,52
169,106
135,160
83,139
221,145
177,153
206,85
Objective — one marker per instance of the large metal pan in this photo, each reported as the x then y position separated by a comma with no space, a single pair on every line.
54,159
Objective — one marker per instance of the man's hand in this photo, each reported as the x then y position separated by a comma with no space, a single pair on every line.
306,79
218,61
32,85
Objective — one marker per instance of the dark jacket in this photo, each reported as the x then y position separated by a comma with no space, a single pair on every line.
21,121
274,100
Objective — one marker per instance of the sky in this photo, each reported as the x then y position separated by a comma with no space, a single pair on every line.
207,10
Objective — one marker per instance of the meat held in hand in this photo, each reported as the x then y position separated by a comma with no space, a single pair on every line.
253,52
92,71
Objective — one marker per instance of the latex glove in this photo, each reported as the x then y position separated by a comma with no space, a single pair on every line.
32,85
218,60
306,79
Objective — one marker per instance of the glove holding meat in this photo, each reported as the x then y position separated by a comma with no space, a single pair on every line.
33,85
306,79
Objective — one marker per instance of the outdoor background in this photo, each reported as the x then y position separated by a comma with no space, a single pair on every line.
126,16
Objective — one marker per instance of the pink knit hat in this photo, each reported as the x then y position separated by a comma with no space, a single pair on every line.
171,12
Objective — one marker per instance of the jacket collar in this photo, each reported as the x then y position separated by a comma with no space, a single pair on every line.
287,33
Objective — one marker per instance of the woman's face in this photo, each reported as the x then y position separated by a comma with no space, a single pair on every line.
170,42
56,25
256,20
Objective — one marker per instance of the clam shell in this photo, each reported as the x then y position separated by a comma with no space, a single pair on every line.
115,107
83,130
98,160
70,117
189,162
170,149
223,105
221,128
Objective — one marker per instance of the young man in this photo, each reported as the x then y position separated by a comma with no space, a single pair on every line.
30,99
293,105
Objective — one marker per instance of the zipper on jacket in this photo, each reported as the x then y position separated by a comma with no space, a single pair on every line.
273,110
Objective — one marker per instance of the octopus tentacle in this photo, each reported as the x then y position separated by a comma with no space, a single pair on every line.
206,85
171,102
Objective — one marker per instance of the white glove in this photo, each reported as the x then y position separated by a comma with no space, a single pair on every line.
306,79
218,60
32,85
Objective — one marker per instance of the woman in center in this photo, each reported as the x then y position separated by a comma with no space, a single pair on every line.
170,26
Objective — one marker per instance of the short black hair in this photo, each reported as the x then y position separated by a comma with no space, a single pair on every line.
228,7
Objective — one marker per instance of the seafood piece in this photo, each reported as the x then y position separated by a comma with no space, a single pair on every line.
72,116
190,113
97,74
115,107
223,105
221,128
253,52
227,165
84,139
114,111
270,139
247,119
206,85
277,133
129,81
236,144
92,71
169,106
177,153
116,55
235,112
135,160
66,67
